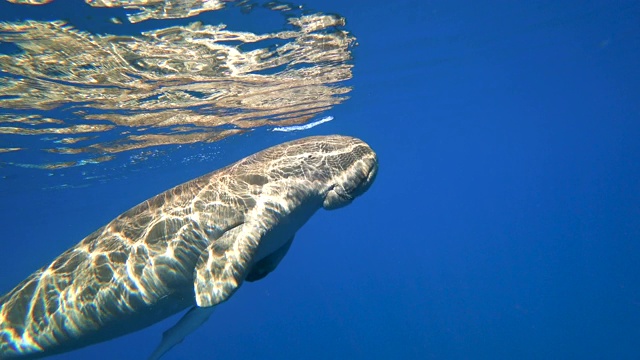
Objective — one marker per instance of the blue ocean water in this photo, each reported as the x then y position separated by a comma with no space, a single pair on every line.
504,222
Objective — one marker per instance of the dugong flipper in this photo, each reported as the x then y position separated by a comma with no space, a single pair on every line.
190,246
263,267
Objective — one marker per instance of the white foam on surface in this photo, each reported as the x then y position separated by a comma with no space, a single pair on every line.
303,127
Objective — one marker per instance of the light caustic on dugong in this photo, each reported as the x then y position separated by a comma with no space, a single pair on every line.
190,246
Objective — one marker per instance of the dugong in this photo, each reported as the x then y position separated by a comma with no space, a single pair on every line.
190,246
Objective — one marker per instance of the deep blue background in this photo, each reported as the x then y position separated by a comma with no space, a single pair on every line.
504,222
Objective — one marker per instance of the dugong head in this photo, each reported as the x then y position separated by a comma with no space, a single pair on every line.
341,167
336,168
352,167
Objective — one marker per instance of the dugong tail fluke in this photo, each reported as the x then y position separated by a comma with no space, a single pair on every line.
191,246
187,324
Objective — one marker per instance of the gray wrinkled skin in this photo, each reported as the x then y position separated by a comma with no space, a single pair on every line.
191,245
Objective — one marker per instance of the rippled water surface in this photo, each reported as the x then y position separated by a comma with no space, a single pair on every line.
90,96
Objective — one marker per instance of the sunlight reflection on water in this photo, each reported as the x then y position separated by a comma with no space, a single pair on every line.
87,97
